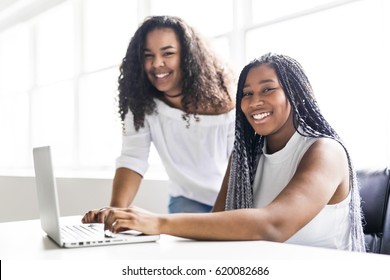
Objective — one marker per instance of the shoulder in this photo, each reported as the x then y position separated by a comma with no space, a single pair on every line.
326,153
326,146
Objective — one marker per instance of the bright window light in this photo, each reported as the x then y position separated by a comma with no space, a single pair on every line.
100,128
53,121
59,70
210,18
55,44
108,27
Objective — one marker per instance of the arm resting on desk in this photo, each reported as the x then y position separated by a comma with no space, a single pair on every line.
318,181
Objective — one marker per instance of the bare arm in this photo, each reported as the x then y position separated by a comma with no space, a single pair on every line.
125,186
321,178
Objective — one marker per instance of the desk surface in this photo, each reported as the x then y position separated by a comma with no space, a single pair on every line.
26,240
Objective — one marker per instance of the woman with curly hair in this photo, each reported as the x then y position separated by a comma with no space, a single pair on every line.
291,178
174,92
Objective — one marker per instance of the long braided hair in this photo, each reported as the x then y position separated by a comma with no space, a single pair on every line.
206,82
307,116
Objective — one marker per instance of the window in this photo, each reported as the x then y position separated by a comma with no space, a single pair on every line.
108,27
344,55
55,44
210,18
264,10
59,70
53,119
15,81
15,66
100,128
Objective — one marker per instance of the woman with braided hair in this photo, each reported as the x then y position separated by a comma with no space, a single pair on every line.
290,177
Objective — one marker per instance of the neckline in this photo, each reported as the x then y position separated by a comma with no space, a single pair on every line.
284,153
175,113
173,96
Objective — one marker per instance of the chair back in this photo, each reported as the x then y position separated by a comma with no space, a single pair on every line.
375,190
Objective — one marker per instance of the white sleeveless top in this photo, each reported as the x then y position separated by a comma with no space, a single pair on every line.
331,227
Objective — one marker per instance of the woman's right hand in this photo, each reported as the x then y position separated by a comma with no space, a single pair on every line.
97,215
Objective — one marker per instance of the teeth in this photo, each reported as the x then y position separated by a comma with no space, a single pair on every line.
261,116
160,76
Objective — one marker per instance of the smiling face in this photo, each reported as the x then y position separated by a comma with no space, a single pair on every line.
162,60
265,105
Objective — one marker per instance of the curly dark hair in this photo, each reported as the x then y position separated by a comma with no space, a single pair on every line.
206,82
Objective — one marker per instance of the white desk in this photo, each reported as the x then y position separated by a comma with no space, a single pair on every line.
26,240
27,253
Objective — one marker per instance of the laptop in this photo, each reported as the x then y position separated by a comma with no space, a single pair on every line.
66,235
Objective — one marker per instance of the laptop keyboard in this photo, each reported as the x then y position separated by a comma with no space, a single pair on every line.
83,232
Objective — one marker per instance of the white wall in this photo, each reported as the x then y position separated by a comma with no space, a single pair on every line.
18,200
